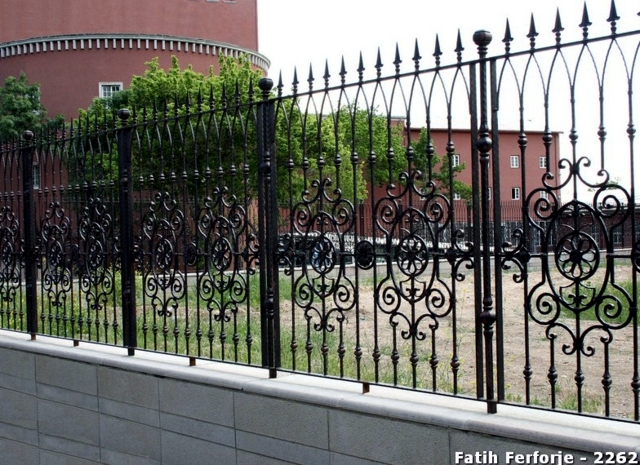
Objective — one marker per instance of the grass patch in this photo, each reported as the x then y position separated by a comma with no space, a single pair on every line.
612,306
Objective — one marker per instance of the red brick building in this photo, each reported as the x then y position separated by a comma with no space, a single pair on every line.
81,49
512,165
518,175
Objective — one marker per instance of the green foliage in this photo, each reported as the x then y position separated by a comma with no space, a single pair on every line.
163,89
21,108
440,170
183,141
210,151
338,146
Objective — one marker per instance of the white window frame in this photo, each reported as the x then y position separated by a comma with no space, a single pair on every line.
455,160
543,163
515,193
456,196
102,85
514,161
544,195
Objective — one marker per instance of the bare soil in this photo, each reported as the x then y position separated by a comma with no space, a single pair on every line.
596,350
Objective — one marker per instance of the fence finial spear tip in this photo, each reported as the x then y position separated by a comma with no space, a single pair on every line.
532,28
585,17
613,12
558,24
310,79
507,33
459,47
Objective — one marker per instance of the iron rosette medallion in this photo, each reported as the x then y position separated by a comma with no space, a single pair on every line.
224,232
578,298
413,292
321,225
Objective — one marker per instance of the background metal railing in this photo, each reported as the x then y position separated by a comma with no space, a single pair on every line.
314,231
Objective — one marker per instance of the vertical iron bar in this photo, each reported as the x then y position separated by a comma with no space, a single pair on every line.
498,238
477,237
635,382
27,151
125,139
268,231
487,316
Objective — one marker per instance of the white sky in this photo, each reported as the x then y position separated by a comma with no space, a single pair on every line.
300,32
297,33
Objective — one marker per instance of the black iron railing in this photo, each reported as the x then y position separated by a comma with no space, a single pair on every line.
318,231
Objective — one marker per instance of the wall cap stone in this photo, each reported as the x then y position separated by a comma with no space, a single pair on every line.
543,427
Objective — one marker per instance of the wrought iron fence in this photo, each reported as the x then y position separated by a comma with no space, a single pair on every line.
315,230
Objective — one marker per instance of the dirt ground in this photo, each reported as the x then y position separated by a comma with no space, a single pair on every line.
452,333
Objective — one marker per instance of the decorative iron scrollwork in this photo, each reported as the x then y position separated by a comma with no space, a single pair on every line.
163,226
56,269
11,252
97,269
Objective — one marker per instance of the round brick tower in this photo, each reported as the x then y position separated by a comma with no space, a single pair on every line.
81,49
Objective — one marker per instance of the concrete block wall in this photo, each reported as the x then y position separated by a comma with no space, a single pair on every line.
92,404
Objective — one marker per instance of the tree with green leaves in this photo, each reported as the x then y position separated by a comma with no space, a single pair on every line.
441,170
21,108
337,146
215,144
182,139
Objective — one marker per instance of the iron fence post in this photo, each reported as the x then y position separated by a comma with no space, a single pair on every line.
477,231
498,238
29,216
268,231
125,139
484,144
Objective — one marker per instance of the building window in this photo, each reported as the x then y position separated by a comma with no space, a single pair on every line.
544,195
515,193
617,236
36,177
543,162
489,192
456,196
107,89
455,160
515,161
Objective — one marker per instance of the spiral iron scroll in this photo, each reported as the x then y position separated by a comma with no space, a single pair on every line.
579,276
413,293
164,282
228,247
97,266
11,252
54,241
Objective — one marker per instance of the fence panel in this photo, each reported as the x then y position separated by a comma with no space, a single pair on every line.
12,288
467,228
577,284
195,231
372,250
